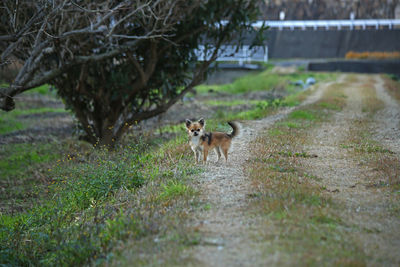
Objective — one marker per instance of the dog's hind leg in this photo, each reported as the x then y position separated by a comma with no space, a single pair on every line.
225,150
218,151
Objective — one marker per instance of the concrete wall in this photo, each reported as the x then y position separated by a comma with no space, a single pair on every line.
329,43
360,66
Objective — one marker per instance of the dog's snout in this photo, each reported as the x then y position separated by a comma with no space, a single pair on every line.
196,133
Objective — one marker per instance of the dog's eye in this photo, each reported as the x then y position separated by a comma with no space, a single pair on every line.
192,130
198,129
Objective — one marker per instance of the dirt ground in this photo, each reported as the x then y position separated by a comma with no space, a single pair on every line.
229,232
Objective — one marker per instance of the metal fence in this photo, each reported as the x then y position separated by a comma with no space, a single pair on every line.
330,24
231,53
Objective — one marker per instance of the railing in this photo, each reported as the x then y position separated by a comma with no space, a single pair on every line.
328,24
231,53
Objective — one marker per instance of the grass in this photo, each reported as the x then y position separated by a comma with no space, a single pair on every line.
265,80
301,115
301,221
392,84
361,143
10,121
383,163
44,89
13,120
24,173
174,189
94,201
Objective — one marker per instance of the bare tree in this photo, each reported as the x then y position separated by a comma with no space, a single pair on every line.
115,62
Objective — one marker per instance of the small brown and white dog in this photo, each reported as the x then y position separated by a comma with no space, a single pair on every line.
200,141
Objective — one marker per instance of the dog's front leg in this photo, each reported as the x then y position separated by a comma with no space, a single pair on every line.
198,156
205,155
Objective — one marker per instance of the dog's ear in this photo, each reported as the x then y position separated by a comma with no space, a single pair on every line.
188,123
202,122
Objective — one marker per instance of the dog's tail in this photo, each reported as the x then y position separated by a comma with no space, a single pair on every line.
235,128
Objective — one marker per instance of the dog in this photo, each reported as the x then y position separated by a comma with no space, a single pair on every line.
201,141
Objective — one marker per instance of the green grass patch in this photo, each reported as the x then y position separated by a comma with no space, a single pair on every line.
292,100
17,158
44,89
296,154
229,103
289,124
275,132
330,106
95,202
265,80
11,121
9,124
174,189
302,115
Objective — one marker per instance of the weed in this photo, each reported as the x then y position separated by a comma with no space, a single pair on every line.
330,106
302,114
290,124
175,189
296,154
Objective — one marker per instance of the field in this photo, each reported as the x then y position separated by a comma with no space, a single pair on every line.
306,161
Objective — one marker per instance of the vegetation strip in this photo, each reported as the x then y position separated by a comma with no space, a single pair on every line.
301,221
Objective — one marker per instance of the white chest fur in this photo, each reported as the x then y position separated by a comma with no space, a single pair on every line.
195,143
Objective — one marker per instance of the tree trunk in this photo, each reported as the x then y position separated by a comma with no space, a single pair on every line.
107,140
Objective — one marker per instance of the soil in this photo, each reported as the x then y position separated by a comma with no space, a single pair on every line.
229,231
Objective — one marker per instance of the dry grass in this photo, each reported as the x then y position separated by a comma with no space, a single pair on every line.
372,55
389,170
392,86
370,103
300,220
382,164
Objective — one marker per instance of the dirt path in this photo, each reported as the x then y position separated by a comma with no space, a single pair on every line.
348,178
229,233
227,236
